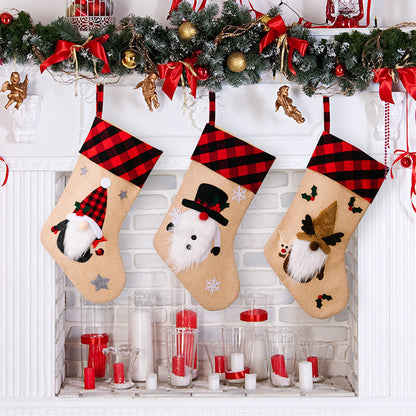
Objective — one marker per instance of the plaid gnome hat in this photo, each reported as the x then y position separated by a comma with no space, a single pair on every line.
92,208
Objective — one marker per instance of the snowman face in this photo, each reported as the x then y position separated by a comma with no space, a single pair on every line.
191,240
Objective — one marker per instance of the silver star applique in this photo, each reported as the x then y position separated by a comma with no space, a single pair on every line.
84,171
122,195
100,283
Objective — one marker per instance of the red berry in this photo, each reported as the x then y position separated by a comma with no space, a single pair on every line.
312,198
350,208
203,216
320,297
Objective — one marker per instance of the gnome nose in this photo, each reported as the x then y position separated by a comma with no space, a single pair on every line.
314,246
203,216
83,226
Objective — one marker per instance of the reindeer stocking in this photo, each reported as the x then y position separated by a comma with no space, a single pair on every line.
307,249
196,237
82,232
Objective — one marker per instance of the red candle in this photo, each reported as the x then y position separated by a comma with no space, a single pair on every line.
118,373
96,357
187,318
89,378
219,364
279,365
178,365
314,361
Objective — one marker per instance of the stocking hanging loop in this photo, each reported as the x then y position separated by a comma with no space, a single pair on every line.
212,108
327,121
99,98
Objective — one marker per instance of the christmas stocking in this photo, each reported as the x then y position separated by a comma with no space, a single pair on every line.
82,232
196,237
307,249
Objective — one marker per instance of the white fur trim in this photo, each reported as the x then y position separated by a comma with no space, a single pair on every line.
76,241
94,226
105,183
303,262
188,225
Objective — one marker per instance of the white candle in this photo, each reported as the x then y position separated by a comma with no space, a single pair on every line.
151,381
214,381
250,381
141,337
305,376
163,373
259,364
237,362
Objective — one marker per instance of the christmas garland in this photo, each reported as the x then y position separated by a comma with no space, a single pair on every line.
216,49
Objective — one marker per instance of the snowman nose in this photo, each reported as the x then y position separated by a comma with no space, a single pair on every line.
283,250
203,216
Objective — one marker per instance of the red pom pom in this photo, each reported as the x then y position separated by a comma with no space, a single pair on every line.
203,216
202,73
339,70
406,162
99,252
6,18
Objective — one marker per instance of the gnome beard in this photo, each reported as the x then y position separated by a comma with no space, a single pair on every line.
305,261
191,240
78,238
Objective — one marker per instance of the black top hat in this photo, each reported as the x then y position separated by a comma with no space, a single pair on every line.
211,200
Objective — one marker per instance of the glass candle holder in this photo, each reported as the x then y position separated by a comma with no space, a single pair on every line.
255,316
281,351
215,353
96,327
182,344
237,342
122,360
142,333
317,353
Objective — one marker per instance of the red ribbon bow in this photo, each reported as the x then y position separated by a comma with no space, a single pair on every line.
7,171
277,29
402,155
65,50
172,72
386,76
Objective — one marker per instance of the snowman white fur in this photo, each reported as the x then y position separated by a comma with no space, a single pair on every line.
192,240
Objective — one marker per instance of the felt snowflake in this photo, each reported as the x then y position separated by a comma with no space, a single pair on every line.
213,285
239,194
174,214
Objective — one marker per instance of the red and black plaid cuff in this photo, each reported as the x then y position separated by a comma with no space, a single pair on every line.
232,158
119,152
348,165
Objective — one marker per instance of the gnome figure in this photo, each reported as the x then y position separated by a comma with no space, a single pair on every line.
83,226
311,247
195,233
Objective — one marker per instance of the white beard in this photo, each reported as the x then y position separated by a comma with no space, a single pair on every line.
304,263
188,225
77,242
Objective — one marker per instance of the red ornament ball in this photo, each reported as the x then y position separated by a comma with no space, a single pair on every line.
6,18
202,73
339,70
406,162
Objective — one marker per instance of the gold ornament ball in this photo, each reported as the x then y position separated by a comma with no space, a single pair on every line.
264,20
129,59
187,31
237,62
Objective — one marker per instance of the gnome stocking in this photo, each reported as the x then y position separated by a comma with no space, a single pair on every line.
307,249
196,237
82,232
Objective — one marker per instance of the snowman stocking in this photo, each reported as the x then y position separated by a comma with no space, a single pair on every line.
196,237
82,232
307,249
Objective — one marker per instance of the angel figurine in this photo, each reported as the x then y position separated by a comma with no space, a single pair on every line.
149,90
18,90
283,100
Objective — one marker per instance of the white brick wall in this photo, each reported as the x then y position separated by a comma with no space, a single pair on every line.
146,271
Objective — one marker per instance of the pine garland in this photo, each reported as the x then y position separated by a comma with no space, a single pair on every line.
359,53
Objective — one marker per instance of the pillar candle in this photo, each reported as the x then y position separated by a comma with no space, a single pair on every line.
118,373
305,375
151,381
250,381
141,337
278,365
314,362
214,382
237,362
